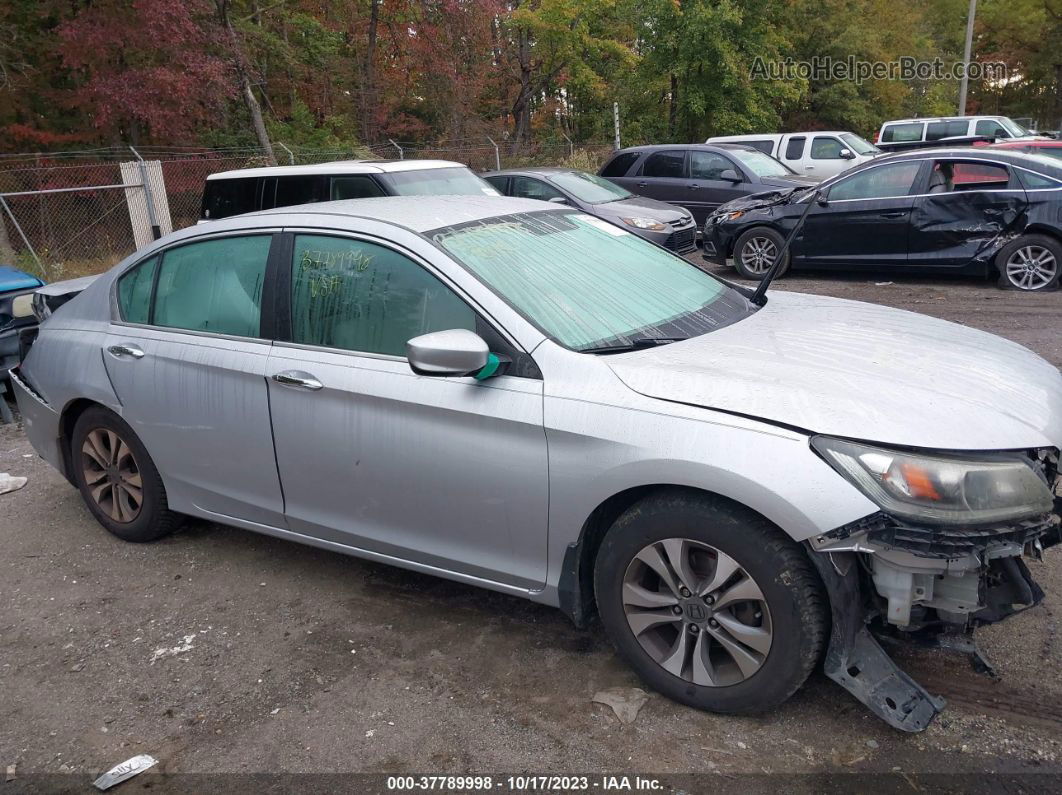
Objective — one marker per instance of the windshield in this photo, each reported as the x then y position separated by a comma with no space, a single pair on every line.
1012,127
589,284
589,188
860,146
760,164
437,182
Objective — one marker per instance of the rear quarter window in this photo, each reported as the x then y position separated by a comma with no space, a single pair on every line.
620,165
134,292
226,197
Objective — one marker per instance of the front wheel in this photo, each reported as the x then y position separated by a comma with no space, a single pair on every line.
756,251
1031,263
711,605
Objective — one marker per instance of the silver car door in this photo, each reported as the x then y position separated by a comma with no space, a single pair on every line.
189,368
445,472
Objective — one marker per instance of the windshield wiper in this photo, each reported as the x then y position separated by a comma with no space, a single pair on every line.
758,296
635,344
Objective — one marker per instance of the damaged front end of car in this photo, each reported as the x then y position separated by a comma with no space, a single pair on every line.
909,572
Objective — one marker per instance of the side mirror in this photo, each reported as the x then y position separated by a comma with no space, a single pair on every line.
822,199
730,175
455,352
847,154
558,200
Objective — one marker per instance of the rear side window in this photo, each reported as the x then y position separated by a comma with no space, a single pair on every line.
354,188
898,133
794,149
665,164
826,147
880,182
937,130
213,286
298,190
972,175
359,296
619,165
225,197
134,292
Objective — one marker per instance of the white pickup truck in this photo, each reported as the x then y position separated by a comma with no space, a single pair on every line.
820,154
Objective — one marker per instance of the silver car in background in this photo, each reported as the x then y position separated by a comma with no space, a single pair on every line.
518,395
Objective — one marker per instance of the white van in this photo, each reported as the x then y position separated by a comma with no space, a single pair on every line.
818,154
902,133
246,190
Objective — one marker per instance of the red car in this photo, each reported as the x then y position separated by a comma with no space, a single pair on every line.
1049,148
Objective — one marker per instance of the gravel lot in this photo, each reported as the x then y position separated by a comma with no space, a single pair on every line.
217,650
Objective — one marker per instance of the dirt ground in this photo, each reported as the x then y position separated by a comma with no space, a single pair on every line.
221,651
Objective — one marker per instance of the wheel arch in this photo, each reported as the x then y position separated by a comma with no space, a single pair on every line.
575,587
67,420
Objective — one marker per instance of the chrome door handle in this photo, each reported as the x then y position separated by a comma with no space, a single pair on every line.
894,214
121,351
298,379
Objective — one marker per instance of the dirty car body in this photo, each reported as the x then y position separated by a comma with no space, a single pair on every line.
942,211
523,397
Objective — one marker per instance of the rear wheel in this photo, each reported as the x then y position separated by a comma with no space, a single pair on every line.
1031,263
756,251
711,605
117,479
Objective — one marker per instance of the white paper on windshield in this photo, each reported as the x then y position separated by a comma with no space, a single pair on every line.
604,226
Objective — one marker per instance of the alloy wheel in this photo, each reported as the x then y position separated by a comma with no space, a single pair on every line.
112,475
696,612
1031,267
758,254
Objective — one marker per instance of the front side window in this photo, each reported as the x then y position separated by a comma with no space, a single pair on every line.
825,147
134,292
899,133
450,181
880,182
358,296
587,283
354,188
213,286
861,146
991,128
665,164
708,165
530,188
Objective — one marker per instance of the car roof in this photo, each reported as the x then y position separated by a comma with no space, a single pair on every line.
722,138
940,118
338,167
1041,164
663,147
416,213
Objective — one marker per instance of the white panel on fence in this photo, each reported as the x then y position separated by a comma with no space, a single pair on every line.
136,198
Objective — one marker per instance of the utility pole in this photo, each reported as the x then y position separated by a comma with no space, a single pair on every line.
966,57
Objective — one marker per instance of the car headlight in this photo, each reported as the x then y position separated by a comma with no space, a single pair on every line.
941,488
734,215
645,223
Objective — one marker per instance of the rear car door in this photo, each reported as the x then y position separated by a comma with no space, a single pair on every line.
187,357
864,222
445,472
663,176
968,208
706,187
791,151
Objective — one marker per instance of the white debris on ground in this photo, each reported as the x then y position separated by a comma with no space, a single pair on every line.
11,483
180,648
625,701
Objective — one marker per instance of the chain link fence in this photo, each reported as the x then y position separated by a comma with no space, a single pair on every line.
70,214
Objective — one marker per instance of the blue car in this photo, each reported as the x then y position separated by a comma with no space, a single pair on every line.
13,283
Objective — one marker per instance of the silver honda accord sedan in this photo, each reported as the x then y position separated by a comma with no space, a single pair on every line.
521,396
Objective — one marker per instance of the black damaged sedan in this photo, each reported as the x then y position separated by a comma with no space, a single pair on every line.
964,211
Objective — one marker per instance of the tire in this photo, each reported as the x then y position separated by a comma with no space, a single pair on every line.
693,526
111,468
752,257
1032,263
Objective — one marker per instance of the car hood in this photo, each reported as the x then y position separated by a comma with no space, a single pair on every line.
640,206
792,181
861,371
12,279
